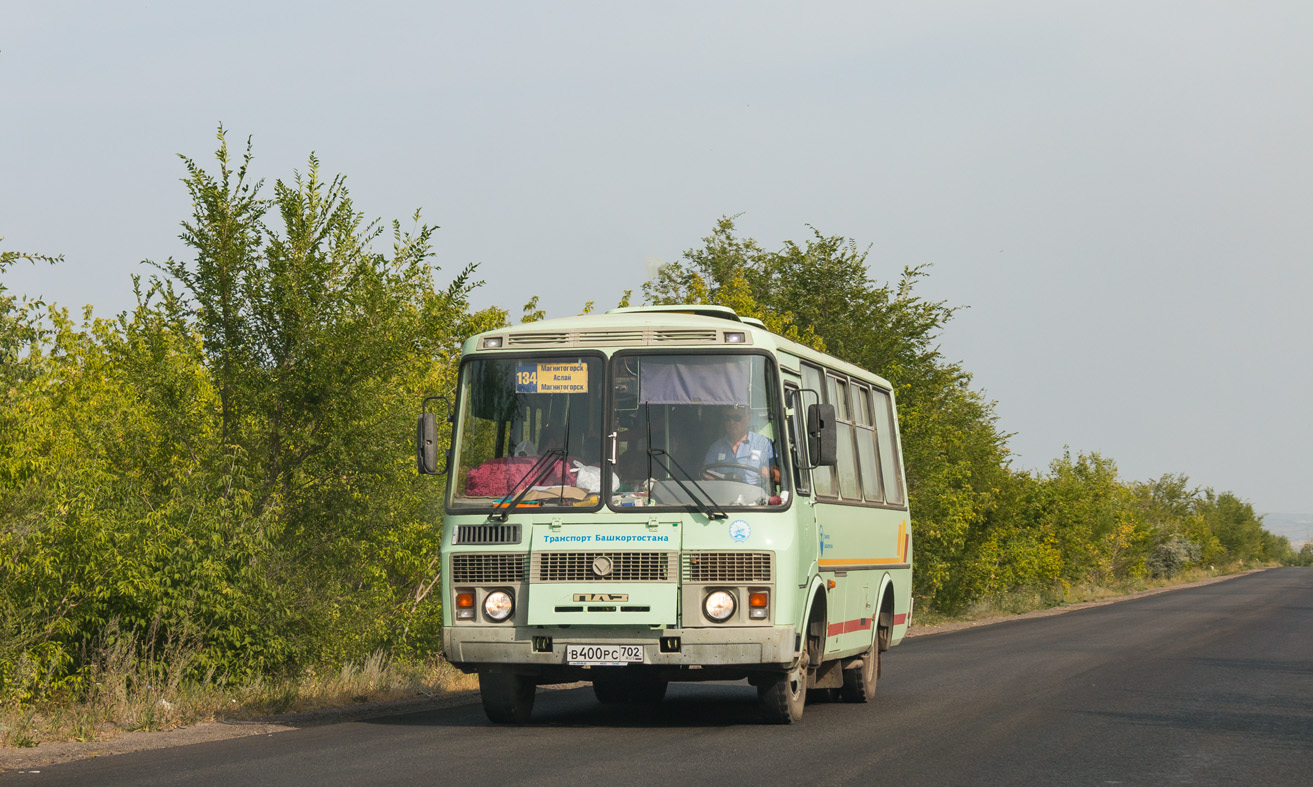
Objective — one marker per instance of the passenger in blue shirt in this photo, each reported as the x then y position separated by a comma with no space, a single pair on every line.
739,446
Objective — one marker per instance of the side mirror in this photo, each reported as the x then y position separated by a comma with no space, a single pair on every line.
426,438
426,444
822,436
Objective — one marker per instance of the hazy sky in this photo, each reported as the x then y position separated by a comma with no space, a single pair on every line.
1122,192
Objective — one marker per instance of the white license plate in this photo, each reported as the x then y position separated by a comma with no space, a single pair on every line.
604,655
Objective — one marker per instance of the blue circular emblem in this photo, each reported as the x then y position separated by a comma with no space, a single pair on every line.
739,530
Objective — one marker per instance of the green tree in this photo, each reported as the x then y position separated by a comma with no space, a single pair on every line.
21,330
1305,557
230,462
321,348
821,293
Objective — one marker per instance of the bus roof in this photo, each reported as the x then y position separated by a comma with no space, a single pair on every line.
674,326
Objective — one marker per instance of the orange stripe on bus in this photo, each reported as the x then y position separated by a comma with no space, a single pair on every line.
865,561
901,547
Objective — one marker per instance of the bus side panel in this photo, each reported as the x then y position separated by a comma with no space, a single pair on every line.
860,545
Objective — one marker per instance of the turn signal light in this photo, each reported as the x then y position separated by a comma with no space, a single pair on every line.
757,599
464,606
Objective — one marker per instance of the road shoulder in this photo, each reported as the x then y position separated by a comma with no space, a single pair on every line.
959,625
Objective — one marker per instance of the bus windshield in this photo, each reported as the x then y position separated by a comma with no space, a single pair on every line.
696,430
530,433
685,431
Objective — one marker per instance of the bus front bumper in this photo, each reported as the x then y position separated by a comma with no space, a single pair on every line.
755,647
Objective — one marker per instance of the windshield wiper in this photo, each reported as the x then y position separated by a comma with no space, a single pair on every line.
535,474
705,508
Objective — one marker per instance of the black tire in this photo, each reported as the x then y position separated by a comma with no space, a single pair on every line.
507,697
859,684
781,698
630,691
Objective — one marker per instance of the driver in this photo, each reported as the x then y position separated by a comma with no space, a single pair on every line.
739,446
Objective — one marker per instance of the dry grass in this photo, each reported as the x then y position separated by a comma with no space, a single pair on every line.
130,691
1019,602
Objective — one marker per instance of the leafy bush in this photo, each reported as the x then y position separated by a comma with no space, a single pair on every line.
230,464
1173,556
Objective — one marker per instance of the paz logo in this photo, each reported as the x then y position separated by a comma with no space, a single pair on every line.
739,530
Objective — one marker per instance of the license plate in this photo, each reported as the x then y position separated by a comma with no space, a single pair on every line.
604,655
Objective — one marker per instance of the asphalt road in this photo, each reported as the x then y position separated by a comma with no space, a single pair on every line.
1210,685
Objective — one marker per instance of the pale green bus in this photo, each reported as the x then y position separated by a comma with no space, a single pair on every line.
667,494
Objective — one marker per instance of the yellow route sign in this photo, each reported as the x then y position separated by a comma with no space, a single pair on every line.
553,377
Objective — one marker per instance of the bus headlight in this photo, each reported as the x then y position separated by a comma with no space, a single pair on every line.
719,606
498,605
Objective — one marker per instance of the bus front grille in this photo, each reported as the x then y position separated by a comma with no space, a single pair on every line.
603,566
728,567
488,534
487,569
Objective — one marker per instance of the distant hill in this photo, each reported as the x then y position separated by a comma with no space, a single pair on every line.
1296,527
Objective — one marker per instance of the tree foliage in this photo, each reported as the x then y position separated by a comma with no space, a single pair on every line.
821,293
230,462
983,528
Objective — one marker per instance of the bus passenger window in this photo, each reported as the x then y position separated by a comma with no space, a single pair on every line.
889,466
867,462
849,488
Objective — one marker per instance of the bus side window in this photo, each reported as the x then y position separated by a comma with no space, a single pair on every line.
889,465
822,477
867,462
849,487
799,449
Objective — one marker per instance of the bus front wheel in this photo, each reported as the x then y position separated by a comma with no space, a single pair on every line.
781,698
507,697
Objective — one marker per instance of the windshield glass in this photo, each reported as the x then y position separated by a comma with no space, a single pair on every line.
531,426
696,430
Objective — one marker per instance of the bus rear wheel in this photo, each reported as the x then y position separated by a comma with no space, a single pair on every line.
859,684
507,697
782,698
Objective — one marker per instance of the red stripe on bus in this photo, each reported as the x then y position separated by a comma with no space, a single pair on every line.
848,626
861,624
